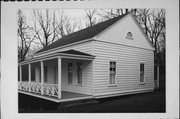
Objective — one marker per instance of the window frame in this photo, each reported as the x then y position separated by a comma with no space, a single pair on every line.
70,83
144,76
81,73
128,37
115,77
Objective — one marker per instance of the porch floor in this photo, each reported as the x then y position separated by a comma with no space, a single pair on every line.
66,96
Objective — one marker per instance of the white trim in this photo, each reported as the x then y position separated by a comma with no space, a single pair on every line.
75,99
146,37
93,53
127,37
54,56
82,41
42,77
81,58
29,66
39,96
142,83
110,26
76,56
79,84
55,100
34,60
59,77
112,85
104,95
99,40
135,21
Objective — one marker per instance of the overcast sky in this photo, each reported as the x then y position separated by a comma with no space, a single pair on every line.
77,14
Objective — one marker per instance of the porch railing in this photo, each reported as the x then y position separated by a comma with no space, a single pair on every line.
35,87
50,90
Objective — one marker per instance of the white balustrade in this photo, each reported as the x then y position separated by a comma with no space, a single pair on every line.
50,90
24,86
35,87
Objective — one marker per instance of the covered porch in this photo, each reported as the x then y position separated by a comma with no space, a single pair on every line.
62,76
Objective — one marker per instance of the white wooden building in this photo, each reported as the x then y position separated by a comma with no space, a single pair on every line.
111,58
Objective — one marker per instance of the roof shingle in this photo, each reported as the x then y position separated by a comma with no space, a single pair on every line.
83,34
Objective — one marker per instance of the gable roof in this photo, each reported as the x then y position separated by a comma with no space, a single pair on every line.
75,52
83,34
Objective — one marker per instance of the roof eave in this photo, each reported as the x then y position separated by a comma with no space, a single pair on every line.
60,47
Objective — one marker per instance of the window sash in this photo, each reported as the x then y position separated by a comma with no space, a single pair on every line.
112,72
79,72
70,73
141,73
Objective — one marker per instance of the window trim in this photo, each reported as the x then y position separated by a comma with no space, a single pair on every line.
79,84
115,80
69,72
144,81
127,37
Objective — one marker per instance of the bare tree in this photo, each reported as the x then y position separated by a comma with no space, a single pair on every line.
45,26
111,13
24,35
69,25
91,20
65,25
153,24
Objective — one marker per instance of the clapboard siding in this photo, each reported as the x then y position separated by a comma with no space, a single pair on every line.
85,47
86,87
128,61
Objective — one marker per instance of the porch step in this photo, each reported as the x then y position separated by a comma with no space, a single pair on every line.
77,102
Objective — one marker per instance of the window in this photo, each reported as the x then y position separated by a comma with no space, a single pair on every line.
129,36
70,73
142,73
79,72
112,72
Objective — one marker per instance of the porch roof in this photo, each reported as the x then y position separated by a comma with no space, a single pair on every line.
75,52
71,54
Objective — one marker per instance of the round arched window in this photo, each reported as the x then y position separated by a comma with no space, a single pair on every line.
129,35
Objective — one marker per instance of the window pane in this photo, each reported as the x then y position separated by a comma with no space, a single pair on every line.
129,34
70,73
141,72
112,72
79,72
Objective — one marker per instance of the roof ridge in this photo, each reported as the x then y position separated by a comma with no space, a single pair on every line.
99,27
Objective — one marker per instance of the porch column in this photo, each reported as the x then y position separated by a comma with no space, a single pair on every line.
42,77
29,65
20,73
59,77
